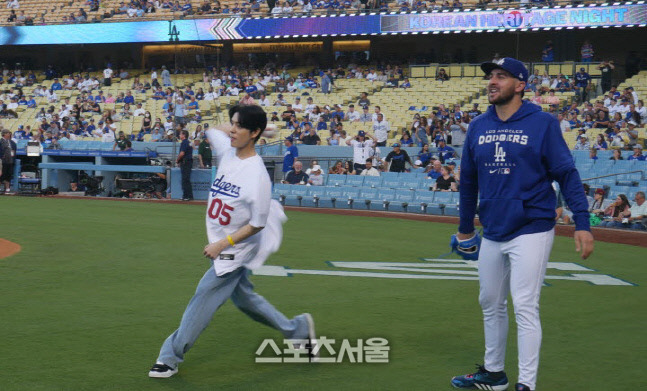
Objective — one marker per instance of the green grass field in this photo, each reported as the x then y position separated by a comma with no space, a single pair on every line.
99,285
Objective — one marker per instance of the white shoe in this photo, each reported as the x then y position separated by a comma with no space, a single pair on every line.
312,338
161,371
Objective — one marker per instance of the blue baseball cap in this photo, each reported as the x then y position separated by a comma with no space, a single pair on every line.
361,133
290,138
508,64
396,145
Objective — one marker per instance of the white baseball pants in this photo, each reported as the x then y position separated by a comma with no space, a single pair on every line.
517,267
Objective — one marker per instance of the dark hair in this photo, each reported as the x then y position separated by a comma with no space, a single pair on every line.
369,160
250,117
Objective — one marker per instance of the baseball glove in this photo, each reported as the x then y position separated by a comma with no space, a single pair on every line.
467,248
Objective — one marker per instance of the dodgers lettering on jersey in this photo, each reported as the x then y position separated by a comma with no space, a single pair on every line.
511,165
239,195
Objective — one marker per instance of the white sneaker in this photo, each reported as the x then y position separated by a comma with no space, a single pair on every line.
161,371
312,338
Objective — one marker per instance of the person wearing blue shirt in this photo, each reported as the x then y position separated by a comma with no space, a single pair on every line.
56,86
445,152
251,89
582,80
290,155
22,101
20,134
638,153
547,54
129,98
185,161
193,104
511,156
31,103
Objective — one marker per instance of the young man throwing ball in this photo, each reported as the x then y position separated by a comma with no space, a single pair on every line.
512,154
244,226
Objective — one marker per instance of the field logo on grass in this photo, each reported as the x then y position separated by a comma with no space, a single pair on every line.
325,350
441,269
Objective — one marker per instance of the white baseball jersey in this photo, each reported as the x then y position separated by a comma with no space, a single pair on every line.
362,150
239,195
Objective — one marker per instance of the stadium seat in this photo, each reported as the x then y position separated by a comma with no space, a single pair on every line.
311,200
391,183
364,197
336,180
296,195
372,181
328,196
411,183
382,200
280,190
389,175
354,180
420,201
401,200
437,206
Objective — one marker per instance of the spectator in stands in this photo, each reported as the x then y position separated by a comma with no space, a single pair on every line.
316,178
600,143
435,172
602,120
363,100
606,68
638,153
586,51
632,132
445,182
370,170
147,123
309,135
582,84
179,111
352,115
445,152
442,75
547,53
362,150
637,214
582,144
349,169
122,143
406,140
381,128
290,155
398,158
616,212
166,76
296,176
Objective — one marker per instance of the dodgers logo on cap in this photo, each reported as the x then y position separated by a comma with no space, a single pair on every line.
515,67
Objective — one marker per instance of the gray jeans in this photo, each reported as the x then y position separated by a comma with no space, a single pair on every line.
211,293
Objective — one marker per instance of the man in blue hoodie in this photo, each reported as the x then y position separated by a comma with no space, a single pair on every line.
512,154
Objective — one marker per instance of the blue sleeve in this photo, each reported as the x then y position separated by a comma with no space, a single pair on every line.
295,151
469,187
561,168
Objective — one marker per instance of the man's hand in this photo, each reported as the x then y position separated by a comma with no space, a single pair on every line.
583,243
212,250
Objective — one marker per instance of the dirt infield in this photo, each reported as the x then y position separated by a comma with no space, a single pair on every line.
8,248
633,238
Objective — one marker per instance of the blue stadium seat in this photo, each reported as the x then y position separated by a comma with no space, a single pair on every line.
441,198
580,156
348,198
411,183
280,190
390,175
372,181
451,208
420,201
426,183
401,200
354,180
383,199
336,180
623,165
329,195
297,193
390,183
311,200
364,197
632,179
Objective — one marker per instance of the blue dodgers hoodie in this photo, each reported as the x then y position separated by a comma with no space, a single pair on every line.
511,165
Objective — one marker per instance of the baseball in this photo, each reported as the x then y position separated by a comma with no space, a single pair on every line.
270,131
